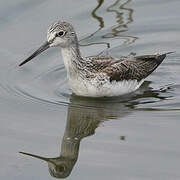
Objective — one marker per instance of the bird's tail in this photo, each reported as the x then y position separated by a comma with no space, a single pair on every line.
160,57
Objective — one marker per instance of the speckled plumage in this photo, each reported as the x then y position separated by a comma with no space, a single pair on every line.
98,76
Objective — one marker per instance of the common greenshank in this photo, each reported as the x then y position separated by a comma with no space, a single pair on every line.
97,76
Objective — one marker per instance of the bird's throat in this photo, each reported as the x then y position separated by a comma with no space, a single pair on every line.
72,59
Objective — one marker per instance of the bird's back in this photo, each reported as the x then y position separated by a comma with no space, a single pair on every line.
125,68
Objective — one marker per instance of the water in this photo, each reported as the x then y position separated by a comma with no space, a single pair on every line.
132,137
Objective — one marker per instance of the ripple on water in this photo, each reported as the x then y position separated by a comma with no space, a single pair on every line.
50,87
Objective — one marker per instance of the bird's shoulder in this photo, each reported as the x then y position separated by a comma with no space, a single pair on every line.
99,63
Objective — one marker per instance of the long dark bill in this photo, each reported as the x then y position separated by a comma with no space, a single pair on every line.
40,50
38,157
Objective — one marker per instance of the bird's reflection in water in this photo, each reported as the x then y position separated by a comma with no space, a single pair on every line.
84,116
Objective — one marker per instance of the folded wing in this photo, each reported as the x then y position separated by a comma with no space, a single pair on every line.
135,68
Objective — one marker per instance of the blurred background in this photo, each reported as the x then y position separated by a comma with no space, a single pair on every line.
132,137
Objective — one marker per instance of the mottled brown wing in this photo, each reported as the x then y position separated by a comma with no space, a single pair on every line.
136,68
98,63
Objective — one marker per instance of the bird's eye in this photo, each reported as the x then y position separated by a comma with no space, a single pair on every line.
60,33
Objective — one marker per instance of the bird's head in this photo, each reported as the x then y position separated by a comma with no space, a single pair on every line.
60,34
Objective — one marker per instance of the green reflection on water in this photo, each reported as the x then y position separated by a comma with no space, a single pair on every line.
123,15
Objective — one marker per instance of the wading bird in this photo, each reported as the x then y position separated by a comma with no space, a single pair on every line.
97,76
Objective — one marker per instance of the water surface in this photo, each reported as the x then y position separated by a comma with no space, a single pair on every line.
131,137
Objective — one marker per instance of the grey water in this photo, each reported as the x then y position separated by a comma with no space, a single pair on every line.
132,137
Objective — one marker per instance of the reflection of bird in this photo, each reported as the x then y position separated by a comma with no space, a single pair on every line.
97,76
81,122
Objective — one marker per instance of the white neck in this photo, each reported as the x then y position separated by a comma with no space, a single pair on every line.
71,57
